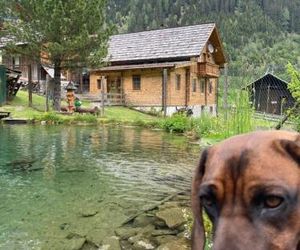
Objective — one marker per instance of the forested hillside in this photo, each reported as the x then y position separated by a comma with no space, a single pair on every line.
258,35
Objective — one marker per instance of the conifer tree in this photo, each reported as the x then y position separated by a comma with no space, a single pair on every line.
68,33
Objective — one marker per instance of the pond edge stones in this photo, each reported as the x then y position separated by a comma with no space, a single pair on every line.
160,227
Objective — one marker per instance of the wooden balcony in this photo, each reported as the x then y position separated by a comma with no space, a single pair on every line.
210,70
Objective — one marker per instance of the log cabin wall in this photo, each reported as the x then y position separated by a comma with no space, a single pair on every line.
19,62
176,87
150,92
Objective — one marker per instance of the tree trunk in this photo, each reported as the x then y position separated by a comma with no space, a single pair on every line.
57,87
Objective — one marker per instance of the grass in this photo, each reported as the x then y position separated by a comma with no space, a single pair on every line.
19,109
238,119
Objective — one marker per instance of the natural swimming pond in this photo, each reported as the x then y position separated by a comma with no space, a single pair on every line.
57,180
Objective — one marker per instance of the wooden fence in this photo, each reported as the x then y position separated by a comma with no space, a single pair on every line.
109,99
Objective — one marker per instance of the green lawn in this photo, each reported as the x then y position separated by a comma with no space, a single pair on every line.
19,109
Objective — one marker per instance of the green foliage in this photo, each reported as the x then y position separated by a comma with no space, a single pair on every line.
294,85
89,118
239,118
176,123
187,214
50,117
206,125
257,34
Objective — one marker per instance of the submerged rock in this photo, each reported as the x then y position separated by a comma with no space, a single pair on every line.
112,243
143,220
88,212
164,232
126,232
75,243
179,244
144,244
172,216
160,240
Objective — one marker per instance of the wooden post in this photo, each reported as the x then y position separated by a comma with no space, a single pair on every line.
225,96
47,94
102,95
80,82
165,94
29,86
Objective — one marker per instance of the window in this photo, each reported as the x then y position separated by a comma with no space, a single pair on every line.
211,109
210,87
99,83
136,82
202,83
178,79
16,61
194,85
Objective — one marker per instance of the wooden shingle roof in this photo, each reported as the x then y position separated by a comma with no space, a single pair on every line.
181,42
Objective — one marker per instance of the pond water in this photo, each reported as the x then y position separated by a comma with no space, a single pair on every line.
57,180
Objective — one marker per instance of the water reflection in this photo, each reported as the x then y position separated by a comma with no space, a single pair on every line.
66,170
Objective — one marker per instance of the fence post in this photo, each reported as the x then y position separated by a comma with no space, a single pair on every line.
165,80
225,96
102,95
29,86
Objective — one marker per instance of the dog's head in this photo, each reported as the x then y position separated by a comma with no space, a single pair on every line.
249,186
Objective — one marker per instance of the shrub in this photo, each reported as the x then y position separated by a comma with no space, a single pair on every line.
176,123
206,125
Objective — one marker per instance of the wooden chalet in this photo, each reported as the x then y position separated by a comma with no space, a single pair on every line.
269,94
39,71
166,69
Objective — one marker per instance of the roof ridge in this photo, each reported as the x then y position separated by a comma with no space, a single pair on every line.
165,28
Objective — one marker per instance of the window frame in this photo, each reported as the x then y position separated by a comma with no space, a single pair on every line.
202,85
177,81
136,83
194,85
210,87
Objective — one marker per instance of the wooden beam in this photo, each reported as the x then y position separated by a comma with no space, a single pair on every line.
164,92
102,94
29,86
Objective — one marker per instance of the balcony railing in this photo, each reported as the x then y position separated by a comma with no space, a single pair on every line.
206,69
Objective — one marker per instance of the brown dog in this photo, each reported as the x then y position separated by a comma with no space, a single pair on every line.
249,185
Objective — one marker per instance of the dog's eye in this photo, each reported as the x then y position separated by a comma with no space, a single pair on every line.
207,201
272,201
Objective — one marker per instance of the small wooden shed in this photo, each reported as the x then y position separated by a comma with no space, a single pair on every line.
269,94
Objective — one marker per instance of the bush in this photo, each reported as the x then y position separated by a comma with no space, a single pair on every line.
207,125
176,123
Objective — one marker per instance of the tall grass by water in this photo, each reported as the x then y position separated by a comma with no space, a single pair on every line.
236,119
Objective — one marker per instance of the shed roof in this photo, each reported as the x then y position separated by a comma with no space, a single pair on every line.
269,78
181,42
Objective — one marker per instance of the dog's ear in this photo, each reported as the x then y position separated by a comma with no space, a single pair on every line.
198,234
292,148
